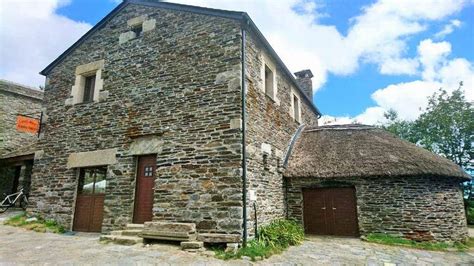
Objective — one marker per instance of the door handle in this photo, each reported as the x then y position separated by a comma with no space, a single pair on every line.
333,208
323,208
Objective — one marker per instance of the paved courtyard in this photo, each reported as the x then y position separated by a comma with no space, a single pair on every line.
19,246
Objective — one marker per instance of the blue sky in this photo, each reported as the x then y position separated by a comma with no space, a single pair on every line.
358,75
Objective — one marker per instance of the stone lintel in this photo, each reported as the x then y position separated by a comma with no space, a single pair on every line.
92,158
146,145
136,20
90,67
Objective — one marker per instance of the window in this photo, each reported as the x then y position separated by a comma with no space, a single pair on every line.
296,108
92,180
148,171
269,89
137,29
89,89
88,84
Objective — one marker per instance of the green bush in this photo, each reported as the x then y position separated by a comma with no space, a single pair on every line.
281,233
470,215
271,239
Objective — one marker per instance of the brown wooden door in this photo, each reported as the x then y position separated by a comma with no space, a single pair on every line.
144,193
330,211
90,200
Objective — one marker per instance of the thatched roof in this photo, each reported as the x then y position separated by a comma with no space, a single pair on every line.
363,151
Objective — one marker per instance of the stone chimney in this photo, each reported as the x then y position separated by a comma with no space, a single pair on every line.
303,78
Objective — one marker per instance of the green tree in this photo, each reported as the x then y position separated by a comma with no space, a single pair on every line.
403,129
446,127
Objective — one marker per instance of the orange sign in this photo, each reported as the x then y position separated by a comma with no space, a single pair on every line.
27,124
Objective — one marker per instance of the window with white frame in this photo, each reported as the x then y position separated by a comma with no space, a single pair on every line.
295,108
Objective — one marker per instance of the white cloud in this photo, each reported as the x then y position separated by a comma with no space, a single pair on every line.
398,66
409,99
448,28
32,35
431,56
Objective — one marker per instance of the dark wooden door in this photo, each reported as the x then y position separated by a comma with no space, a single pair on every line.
144,193
89,211
330,211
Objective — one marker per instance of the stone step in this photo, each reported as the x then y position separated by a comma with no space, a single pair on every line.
122,240
135,226
169,231
127,232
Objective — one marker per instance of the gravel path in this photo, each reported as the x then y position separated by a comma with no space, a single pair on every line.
19,246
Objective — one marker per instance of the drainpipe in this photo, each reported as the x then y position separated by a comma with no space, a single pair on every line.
244,150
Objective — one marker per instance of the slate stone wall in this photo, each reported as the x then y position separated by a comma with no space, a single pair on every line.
419,208
16,99
269,131
178,83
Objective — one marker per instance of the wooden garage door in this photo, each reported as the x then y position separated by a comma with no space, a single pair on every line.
330,211
90,200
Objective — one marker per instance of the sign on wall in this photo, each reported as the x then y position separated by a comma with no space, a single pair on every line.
27,124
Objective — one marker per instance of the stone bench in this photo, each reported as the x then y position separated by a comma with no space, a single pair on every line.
169,231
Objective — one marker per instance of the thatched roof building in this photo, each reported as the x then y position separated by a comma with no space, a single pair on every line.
363,151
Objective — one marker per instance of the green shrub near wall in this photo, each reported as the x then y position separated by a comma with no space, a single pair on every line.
271,239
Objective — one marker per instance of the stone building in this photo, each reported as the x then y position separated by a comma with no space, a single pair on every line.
172,113
144,120
17,147
355,180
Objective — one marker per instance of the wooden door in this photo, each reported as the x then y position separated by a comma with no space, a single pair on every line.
89,211
144,192
330,211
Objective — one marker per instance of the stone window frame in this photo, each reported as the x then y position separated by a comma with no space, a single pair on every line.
268,63
294,95
81,73
141,22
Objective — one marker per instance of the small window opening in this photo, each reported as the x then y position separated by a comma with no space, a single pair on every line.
138,29
296,108
269,82
89,89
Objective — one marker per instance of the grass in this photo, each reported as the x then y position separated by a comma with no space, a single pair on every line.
436,246
272,239
39,225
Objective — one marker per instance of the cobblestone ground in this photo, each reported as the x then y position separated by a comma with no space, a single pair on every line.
22,247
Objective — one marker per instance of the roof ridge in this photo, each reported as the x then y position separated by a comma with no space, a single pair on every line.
341,127
20,85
